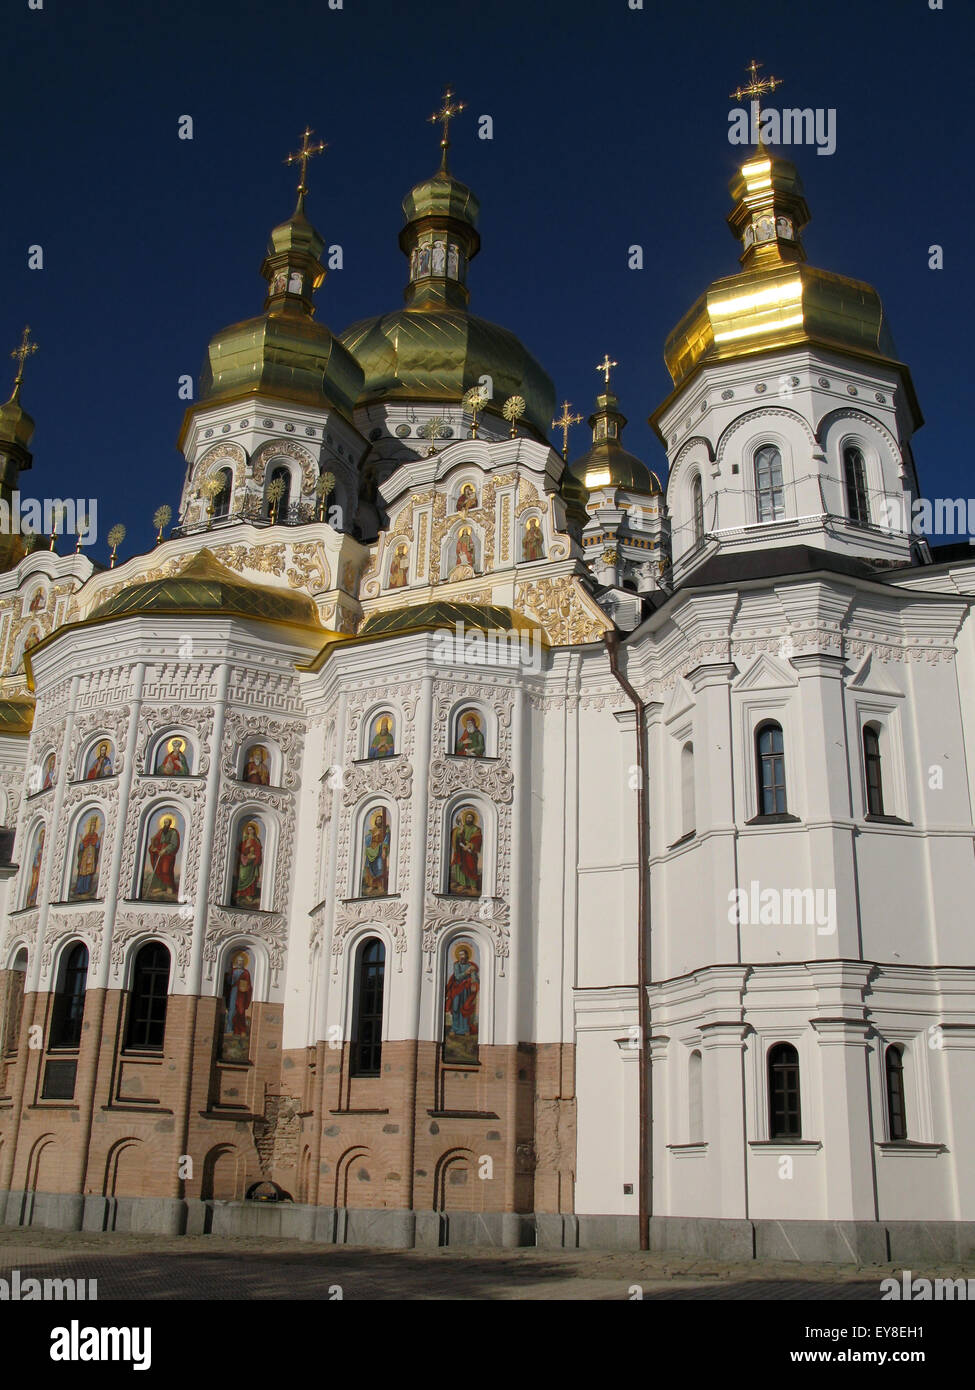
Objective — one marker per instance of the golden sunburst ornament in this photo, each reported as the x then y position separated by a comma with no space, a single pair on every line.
475,400
161,517
115,538
512,410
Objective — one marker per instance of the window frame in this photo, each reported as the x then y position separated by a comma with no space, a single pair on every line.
68,1006
148,1025
775,1070
855,489
375,1015
770,726
772,490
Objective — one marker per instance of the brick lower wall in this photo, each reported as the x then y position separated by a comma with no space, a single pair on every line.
498,1137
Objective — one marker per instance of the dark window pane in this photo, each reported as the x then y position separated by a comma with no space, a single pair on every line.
783,1087
367,1023
69,999
896,1112
872,768
854,474
150,993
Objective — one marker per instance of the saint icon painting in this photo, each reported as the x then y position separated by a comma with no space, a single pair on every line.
100,762
35,869
86,858
257,769
163,859
375,856
461,1004
238,991
382,744
470,735
466,839
47,772
248,869
171,759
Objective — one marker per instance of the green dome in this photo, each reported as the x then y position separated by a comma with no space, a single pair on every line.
438,354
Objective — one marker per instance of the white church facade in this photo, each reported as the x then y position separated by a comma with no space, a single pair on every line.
456,844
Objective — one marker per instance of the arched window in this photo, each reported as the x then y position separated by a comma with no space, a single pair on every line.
697,500
783,1092
687,789
221,502
770,749
147,1003
872,771
280,508
855,477
367,1019
69,998
14,1010
768,484
896,1112
695,1099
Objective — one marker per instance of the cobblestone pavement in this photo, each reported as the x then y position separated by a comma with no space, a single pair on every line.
212,1267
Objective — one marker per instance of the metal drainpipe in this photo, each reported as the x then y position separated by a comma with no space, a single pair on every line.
643,921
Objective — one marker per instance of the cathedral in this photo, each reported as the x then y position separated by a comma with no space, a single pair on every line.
445,836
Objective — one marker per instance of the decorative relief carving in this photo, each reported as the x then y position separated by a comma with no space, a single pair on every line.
285,448
224,925
173,928
391,913
282,803
288,735
493,779
563,609
184,795
442,913
87,926
112,722
154,719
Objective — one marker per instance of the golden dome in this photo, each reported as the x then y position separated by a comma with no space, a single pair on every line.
283,352
435,349
776,300
607,463
207,587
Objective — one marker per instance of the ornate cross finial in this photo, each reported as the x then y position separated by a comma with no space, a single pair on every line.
22,352
445,115
606,366
302,157
756,89
564,423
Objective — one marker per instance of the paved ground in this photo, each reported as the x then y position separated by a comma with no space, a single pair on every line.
211,1267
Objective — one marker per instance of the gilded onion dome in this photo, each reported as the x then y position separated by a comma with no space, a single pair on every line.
776,300
205,586
284,352
607,464
434,349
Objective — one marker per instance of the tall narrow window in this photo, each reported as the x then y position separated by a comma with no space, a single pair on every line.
221,502
69,998
687,789
695,1100
896,1113
771,770
697,495
783,1090
14,1011
147,1002
367,1022
855,477
768,484
872,770
284,501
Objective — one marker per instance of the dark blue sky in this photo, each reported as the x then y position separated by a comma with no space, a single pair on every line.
610,128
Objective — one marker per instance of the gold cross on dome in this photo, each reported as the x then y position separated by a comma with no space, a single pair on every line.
303,155
756,89
23,352
565,423
606,366
445,115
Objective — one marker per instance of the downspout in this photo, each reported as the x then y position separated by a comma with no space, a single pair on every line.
645,1174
